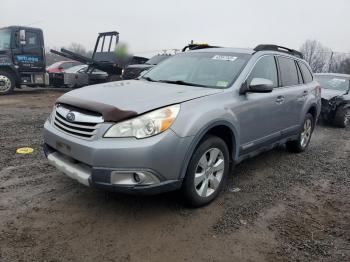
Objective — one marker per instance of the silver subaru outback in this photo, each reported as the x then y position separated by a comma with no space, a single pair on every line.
185,122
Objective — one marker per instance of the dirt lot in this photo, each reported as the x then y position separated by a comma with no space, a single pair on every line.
290,207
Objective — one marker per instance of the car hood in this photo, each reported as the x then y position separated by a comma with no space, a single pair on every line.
124,99
330,93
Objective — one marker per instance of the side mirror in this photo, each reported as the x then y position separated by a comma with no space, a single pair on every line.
260,85
22,37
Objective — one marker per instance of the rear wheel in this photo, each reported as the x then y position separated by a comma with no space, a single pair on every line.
304,138
342,117
7,83
206,173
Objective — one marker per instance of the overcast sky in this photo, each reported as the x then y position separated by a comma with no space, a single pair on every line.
152,25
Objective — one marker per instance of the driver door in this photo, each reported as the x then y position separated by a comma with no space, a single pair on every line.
30,56
260,113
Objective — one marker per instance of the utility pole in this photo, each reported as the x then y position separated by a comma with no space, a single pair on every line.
330,62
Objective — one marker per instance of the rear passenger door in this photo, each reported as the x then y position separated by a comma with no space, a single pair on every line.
291,91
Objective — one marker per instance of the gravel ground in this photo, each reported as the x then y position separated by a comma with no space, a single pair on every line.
290,207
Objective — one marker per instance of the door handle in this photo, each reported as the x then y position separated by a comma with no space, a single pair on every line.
305,93
280,100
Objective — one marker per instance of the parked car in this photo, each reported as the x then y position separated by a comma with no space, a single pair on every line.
335,98
75,76
82,75
56,70
134,71
185,122
59,67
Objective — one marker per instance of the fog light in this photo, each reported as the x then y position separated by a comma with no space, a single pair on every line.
133,178
137,178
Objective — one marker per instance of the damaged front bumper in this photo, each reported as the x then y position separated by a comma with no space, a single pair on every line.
330,106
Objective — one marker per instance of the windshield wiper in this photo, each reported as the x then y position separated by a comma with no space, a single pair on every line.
180,82
149,79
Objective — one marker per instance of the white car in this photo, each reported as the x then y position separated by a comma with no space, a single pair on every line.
81,75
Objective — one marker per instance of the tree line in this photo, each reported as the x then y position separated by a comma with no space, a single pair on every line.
322,59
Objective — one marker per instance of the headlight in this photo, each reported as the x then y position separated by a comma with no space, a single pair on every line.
147,125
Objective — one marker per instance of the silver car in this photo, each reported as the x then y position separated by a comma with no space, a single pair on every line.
184,123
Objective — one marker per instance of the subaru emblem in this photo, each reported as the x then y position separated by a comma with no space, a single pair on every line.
70,117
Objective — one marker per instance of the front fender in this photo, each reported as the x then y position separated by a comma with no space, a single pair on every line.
10,67
196,118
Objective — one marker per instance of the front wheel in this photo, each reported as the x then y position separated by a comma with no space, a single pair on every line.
342,117
206,172
304,138
7,83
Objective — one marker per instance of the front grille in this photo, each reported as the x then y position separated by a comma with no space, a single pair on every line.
83,126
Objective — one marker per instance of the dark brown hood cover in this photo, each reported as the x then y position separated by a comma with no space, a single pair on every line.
110,113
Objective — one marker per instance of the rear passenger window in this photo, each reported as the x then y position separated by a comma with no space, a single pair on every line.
306,72
289,74
265,68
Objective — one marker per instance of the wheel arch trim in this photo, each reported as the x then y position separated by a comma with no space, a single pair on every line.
200,135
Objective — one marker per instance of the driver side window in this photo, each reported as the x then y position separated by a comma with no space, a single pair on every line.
265,68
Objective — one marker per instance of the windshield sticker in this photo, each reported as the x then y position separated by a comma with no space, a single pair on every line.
225,57
222,83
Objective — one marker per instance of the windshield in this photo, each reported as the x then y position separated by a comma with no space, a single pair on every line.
54,65
155,60
207,69
334,82
5,39
75,69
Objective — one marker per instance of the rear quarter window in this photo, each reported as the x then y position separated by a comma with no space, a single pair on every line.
305,72
288,71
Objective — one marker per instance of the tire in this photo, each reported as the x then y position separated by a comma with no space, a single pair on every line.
304,138
199,190
342,117
8,83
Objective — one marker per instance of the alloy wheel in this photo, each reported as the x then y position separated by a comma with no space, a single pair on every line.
5,83
306,134
209,172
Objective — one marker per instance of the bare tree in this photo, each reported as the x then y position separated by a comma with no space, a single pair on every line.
345,66
335,63
317,55
79,49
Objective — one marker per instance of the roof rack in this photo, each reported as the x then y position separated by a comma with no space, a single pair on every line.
279,49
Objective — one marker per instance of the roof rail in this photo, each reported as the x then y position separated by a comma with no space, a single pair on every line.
279,49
